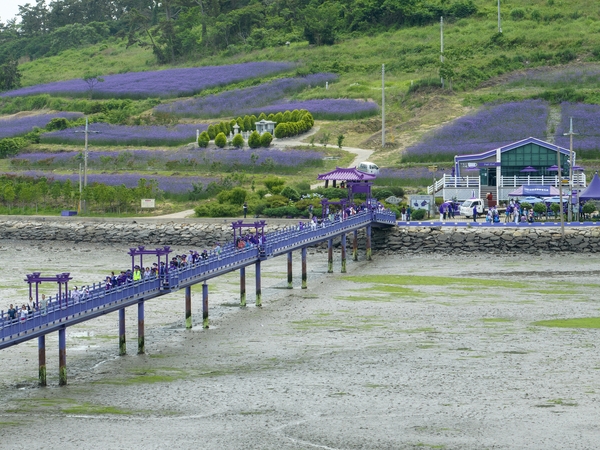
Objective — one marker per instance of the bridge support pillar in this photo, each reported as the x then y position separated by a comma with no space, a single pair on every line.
303,267
62,357
355,246
289,265
344,253
42,360
243,287
204,305
330,256
141,343
258,290
369,243
122,343
188,307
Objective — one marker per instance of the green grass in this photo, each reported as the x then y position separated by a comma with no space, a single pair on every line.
550,33
584,322
422,280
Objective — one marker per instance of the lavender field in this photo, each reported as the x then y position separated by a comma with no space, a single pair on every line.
328,109
243,101
18,126
557,78
208,159
586,123
108,134
489,128
172,184
162,83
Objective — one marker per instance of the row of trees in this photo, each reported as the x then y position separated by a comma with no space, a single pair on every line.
20,192
177,29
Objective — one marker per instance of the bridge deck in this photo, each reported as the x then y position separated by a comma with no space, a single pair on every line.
99,301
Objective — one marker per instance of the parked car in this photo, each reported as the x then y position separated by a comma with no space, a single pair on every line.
466,209
368,167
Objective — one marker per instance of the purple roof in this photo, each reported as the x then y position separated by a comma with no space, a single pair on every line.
592,192
351,174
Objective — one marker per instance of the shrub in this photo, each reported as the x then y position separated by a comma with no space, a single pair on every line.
290,193
214,209
517,14
235,196
266,139
203,139
274,184
58,123
418,214
381,194
11,146
282,211
526,205
254,140
281,130
238,141
589,208
220,140
275,201
539,208
212,132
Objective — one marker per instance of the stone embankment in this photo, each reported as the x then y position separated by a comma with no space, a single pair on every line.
205,233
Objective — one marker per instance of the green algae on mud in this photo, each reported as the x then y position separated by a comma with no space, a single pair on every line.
66,406
422,280
582,322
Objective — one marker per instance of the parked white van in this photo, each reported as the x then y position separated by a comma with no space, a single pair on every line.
466,209
368,167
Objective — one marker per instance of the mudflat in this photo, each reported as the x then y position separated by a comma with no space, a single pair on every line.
431,351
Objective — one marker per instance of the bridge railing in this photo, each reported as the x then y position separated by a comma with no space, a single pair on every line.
60,310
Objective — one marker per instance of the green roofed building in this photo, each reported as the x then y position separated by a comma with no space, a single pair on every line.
530,163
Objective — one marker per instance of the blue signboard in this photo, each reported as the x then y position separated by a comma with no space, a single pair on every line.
537,191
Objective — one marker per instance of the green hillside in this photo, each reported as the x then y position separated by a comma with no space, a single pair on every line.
543,49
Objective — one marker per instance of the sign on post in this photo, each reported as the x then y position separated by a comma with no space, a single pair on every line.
148,203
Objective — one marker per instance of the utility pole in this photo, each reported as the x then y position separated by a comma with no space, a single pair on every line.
442,47
383,105
499,22
571,164
559,175
85,162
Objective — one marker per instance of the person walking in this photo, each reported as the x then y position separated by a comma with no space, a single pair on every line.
474,213
245,206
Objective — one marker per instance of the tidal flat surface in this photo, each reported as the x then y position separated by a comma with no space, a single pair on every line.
401,352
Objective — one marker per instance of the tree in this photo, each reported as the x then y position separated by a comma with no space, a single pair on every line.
266,139
203,139
10,76
254,140
92,79
220,140
238,141
340,140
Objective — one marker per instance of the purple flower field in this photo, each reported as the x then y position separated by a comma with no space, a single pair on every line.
161,83
238,101
586,123
198,158
127,135
341,108
487,129
22,125
543,77
168,184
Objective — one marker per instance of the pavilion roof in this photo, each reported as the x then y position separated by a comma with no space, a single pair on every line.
349,174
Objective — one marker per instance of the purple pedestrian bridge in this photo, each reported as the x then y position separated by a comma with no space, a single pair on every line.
64,310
